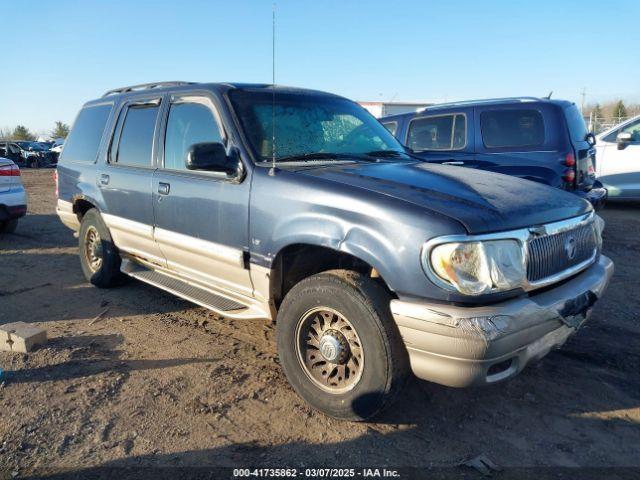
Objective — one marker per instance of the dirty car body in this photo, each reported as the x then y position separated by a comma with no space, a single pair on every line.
517,264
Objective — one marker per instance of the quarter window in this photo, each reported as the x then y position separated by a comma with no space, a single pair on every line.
84,140
392,127
440,132
512,128
189,122
136,139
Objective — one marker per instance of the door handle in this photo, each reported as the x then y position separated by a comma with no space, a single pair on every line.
163,188
104,179
453,163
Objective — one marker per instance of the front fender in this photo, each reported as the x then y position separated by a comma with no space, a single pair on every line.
383,231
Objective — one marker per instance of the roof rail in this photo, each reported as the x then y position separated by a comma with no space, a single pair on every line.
483,100
145,86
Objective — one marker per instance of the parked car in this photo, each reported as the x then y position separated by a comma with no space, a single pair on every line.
27,153
371,261
618,166
538,139
13,198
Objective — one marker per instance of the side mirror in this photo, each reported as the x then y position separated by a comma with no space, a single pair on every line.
590,138
623,139
211,157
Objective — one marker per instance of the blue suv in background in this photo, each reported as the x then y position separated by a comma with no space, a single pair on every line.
538,139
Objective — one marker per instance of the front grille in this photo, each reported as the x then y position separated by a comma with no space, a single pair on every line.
550,254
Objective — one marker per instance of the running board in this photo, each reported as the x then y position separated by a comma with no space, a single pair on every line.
215,301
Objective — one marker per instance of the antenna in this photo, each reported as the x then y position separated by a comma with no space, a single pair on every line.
548,97
272,171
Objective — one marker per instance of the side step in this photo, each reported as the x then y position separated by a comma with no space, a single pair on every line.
204,297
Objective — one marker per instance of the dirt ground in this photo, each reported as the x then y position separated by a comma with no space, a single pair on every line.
157,381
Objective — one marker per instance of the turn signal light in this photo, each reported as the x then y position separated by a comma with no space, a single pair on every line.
9,171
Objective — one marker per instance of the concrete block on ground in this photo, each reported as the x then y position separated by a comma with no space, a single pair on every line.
21,337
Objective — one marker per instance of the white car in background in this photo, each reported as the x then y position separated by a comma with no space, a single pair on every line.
618,160
13,198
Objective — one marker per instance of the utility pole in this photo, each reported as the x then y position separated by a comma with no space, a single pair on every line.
583,94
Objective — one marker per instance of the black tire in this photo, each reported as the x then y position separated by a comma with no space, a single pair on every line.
9,226
107,273
365,304
34,163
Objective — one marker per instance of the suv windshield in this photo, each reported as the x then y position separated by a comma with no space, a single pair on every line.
307,126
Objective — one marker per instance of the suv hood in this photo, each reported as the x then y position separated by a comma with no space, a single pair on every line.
482,202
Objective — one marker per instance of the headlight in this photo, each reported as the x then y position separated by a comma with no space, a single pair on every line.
475,268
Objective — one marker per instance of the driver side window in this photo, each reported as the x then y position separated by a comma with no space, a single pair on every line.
634,130
190,121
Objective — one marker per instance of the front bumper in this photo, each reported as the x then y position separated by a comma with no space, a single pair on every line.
463,346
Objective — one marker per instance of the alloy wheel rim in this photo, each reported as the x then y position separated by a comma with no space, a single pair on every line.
329,350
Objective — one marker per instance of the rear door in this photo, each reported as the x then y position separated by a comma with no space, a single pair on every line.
619,166
201,216
520,139
442,137
126,178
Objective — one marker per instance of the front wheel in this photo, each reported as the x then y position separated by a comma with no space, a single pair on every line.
34,163
339,346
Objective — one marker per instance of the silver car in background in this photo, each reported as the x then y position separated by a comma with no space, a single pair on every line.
13,198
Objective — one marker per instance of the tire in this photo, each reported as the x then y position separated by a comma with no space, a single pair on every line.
9,226
34,163
104,273
341,296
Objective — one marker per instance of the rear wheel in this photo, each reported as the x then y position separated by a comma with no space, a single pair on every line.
99,257
339,346
34,163
9,226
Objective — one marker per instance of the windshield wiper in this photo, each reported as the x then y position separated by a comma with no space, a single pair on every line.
384,153
314,156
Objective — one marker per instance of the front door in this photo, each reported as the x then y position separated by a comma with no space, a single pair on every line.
126,178
619,168
201,216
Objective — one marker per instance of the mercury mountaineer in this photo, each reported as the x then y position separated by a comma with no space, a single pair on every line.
270,202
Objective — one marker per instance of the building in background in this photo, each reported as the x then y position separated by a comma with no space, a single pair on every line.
382,109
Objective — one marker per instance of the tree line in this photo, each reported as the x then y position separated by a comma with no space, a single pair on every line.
20,132
614,112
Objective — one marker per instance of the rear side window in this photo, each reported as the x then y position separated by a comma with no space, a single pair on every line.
136,138
83,141
512,128
575,123
189,122
392,127
440,132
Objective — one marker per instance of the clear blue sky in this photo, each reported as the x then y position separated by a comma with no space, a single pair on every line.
59,54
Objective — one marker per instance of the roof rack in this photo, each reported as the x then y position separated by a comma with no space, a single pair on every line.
145,86
483,100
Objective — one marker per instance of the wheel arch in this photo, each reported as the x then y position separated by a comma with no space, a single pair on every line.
299,260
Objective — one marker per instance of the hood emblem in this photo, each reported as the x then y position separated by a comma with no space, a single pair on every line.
570,247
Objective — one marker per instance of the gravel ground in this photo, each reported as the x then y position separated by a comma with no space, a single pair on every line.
156,381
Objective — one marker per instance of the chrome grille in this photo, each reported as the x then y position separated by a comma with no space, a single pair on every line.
549,255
